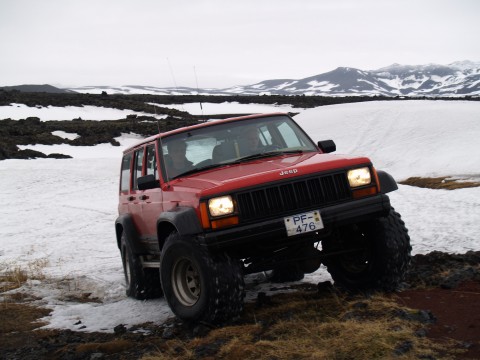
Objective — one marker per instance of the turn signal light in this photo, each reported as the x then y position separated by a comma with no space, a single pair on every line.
359,193
230,221
204,215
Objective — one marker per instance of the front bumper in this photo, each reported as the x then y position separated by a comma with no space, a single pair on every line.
269,232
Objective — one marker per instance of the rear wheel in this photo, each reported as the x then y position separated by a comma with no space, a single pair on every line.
141,283
199,285
378,258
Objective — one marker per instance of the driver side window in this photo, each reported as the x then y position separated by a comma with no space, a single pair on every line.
151,162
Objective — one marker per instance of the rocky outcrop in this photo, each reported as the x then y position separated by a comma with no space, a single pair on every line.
444,270
32,131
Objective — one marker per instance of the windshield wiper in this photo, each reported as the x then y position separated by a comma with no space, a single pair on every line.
298,151
195,170
267,154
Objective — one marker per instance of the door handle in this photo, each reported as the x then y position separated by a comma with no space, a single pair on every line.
131,198
143,197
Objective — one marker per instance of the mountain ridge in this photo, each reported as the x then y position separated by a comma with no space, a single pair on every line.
35,88
458,79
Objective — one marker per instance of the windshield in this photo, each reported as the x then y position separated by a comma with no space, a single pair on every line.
236,141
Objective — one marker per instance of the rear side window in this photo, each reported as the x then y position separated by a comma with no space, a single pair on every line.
125,173
137,168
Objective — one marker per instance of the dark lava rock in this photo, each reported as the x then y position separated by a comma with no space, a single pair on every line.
58,156
443,269
263,300
403,348
421,316
120,329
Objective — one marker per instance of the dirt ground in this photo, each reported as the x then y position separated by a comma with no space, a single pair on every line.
444,285
457,313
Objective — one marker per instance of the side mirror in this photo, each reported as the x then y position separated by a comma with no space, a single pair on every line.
327,146
147,182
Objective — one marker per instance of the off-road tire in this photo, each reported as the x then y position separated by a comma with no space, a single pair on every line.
198,284
141,283
381,262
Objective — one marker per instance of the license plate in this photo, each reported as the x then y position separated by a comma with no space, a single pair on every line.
303,223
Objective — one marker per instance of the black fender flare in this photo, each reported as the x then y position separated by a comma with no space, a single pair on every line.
387,182
182,219
124,223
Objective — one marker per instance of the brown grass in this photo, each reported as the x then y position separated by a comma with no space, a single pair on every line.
20,317
444,182
310,326
15,314
13,276
110,347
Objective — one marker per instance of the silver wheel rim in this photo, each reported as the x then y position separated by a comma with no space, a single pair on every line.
186,282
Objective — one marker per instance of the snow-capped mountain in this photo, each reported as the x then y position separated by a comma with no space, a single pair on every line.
460,78
456,79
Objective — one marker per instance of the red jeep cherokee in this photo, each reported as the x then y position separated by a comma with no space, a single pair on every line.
204,205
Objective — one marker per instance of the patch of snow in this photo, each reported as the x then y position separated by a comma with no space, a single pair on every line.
324,86
474,84
284,85
466,65
21,111
228,108
65,135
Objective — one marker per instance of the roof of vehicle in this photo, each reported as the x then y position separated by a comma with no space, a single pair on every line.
200,125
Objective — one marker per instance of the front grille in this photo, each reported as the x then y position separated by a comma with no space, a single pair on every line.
294,195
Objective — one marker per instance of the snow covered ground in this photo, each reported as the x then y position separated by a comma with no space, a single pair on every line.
228,108
60,213
87,112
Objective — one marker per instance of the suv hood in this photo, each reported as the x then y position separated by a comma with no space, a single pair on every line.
256,172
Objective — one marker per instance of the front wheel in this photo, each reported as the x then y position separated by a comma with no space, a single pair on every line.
199,285
377,254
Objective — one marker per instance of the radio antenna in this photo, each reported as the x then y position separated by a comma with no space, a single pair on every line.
161,144
173,78
171,73
158,121
198,90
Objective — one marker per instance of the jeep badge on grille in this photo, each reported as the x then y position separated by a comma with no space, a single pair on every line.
286,172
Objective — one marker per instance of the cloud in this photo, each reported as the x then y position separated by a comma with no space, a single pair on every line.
115,42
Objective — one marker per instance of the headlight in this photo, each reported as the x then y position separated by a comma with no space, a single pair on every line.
359,177
220,206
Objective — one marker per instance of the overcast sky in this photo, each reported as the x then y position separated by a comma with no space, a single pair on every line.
69,43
